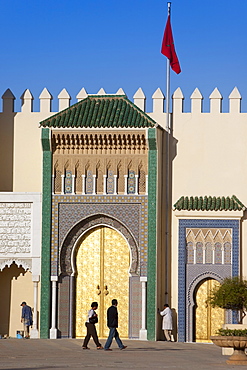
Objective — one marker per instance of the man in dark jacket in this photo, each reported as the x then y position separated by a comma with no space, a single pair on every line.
112,323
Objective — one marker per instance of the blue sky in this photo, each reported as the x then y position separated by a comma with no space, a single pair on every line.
78,43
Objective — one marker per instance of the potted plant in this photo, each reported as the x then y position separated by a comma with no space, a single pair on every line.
232,295
233,338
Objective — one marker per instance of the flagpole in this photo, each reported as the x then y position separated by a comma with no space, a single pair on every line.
167,172
168,81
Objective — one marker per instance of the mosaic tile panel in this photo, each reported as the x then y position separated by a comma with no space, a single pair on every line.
192,274
63,307
208,253
46,227
199,253
89,182
218,253
68,182
190,253
131,182
135,307
129,211
110,182
227,253
152,252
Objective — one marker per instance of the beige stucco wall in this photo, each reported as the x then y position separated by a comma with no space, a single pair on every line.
210,155
27,158
20,142
6,151
211,160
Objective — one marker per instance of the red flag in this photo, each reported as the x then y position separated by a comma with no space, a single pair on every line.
168,48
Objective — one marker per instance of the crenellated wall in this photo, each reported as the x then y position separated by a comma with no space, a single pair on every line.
20,147
139,99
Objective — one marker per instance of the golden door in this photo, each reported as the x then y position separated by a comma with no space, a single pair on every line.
208,319
102,261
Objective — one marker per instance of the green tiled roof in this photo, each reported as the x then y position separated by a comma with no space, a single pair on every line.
209,203
101,111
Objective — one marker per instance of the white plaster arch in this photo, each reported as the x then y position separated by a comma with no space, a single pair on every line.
27,265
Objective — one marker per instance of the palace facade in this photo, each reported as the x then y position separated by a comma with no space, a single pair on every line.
100,201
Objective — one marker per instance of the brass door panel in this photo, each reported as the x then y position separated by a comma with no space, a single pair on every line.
208,319
102,262
88,269
116,277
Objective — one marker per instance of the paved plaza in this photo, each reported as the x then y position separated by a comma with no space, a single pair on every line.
45,354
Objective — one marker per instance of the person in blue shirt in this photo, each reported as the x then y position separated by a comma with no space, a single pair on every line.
26,318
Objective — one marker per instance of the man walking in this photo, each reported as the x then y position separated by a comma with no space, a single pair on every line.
112,323
91,329
26,318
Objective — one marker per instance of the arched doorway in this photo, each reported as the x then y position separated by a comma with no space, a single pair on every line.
15,286
102,264
207,319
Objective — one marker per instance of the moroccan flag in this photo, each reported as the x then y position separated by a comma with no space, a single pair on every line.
168,48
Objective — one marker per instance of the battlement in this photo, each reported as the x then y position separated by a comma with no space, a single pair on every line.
139,98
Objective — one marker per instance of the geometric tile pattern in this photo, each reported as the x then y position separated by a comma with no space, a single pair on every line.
135,304
131,182
68,182
110,182
152,238
129,211
190,275
46,234
89,182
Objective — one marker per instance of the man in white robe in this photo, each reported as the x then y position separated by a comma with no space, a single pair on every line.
167,322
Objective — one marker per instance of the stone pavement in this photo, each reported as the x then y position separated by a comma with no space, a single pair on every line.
46,354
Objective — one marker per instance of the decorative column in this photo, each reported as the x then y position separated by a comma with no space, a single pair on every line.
53,330
34,331
73,184
53,184
213,252
104,184
125,184
83,184
143,331
94,184
115,185
136,178
204,254
62,187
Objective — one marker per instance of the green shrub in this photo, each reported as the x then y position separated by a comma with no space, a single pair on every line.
232,332
231,295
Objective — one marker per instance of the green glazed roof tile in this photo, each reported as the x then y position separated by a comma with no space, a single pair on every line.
208,203
101,111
